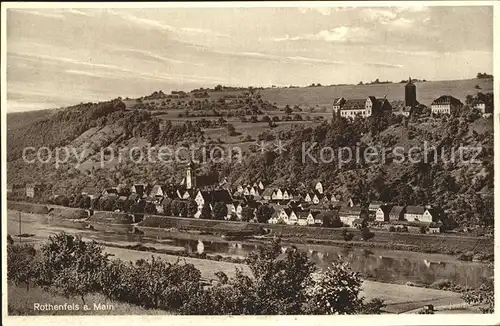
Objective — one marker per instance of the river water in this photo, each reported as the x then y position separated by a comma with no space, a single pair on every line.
383,265
391,266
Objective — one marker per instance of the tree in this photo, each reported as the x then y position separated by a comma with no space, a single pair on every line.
484,295
263,213
71,265
280,283
150,208
348,236
206,212
192,208
183,209
336,291
247,213
220,211
21,267
366,234
167,206
231,131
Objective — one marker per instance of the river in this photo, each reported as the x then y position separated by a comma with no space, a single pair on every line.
390,266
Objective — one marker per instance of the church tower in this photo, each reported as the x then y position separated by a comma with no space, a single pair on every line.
190,176
410,94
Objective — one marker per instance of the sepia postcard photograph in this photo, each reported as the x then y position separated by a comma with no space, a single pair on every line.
249,159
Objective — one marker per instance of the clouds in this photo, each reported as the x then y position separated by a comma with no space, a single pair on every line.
90,54
341,34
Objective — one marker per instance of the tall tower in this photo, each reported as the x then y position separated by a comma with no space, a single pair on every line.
190,178
410,94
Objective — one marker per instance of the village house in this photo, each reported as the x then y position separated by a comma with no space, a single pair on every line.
335,198
446,104
418,213
288,216
303,218
91,193
139,189
255,191
123,190
33,190
317,197
327,199
212,196
274,218
382,213
480,105
287,194
397,213
374,206
315,217
319,187
277,195
348,215
134,197
267,194
112,191
338,103
15,188
231,210
404,111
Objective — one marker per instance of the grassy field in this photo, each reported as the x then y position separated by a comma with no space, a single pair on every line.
323,96
22,302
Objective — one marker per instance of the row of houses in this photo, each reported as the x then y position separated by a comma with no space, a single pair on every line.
353,216
290,207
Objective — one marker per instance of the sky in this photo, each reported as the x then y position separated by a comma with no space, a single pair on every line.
60,57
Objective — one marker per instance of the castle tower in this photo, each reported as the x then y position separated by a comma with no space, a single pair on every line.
190,176
410,94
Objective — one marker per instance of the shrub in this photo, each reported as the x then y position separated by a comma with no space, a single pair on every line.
348,236
21,267
335,291
484,295
366,234
441,284
466,256
427,310
392,229
71,266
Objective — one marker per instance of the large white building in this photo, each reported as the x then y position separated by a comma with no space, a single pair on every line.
360,107
446,104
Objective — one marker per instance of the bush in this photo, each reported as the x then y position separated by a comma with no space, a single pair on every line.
441,284
21,268
466,256
366,234
282,283
392,229
348,236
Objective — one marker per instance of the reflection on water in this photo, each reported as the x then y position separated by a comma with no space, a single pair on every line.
402,268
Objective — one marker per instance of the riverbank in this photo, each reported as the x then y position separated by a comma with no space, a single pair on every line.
156,226
398,296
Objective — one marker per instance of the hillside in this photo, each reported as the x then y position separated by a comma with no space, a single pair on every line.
239,119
